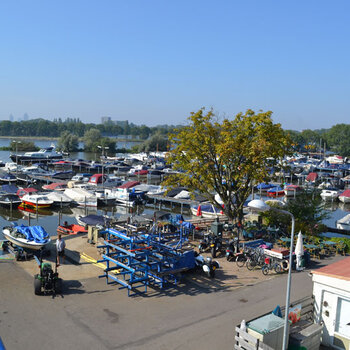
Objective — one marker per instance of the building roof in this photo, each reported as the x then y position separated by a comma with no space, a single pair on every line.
339,269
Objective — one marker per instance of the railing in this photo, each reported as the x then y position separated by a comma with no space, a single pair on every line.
244,340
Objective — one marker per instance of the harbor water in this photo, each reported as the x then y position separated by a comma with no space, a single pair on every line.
50,219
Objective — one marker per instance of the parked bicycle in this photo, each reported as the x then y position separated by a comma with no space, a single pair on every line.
271,264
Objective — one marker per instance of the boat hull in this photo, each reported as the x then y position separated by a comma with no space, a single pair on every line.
39,205
24,243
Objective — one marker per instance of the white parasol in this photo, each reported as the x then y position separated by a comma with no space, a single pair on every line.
299,249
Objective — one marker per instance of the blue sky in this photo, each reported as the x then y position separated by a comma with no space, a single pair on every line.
153,62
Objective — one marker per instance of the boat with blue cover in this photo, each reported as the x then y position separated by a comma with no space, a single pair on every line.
29,237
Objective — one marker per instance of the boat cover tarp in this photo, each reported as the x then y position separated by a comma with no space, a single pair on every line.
94,220
33,233
10,189
264,186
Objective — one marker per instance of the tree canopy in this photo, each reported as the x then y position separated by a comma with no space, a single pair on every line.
68,142
226,157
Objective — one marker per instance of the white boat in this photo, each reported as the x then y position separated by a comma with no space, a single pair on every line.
82,196
206,210
30,237
330,194
125,196
36,170
104,180
44,155
36,200
59,198
292,190
344,223
345,196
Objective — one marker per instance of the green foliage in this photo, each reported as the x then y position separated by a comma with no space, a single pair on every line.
338,138
92,138
346,241
226,157
308,213
23,146
157,142
68,142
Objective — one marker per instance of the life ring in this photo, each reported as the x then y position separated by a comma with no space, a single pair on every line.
285,265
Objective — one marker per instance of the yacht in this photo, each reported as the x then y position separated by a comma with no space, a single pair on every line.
44,155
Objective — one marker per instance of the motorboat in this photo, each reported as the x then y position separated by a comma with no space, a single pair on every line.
345,196
72,229
103,180
264,187
292,190
59,199
330,194
7,178
43,155
55,186
126,194
344,223
36,170
29,237
36,200
82,196
275,191
9,200
206,210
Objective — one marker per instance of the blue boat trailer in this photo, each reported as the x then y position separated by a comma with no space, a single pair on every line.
141,260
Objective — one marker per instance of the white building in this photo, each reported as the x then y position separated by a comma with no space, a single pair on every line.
331,291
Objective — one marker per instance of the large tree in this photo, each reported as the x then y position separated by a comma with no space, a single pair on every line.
226,157
68,142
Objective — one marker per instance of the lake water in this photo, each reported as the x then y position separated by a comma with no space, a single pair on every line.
5,142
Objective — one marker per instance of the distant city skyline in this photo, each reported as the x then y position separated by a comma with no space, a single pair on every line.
154,62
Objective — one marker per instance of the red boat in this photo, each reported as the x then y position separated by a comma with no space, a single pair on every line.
73,229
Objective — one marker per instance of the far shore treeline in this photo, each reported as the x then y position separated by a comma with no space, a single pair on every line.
72,130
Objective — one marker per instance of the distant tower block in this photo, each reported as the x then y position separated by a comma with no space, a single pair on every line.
105,120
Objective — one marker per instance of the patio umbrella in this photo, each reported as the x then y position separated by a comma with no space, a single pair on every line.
299,251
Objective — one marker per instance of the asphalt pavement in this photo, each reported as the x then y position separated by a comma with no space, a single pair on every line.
197,314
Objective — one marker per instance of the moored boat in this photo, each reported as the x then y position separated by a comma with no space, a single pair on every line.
206,210
275,191
292,190
44,155
330,194
345,196
36,200
344,223
9,200
72,229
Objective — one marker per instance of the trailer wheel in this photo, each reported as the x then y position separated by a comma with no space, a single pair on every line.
37,285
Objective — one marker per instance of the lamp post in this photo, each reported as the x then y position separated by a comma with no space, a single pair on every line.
259,205
103,155
16,142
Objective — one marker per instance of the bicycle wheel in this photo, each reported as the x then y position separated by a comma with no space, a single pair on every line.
250,264
265,269
241,260
278,268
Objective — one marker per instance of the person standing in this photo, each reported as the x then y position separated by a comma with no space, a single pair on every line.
60,246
